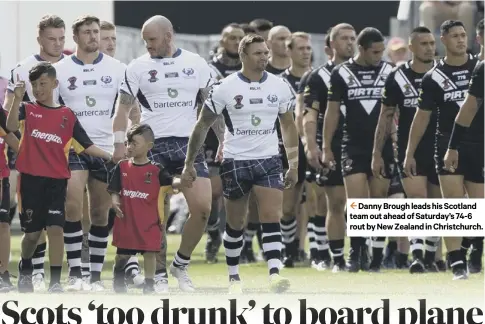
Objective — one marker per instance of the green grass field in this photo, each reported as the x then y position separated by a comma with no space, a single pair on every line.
213,278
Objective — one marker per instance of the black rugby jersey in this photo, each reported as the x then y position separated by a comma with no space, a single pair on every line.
402,91
443,90
271,69
316,90
221,69
360,89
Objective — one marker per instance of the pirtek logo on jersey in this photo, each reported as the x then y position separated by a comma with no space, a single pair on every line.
72,81
153,76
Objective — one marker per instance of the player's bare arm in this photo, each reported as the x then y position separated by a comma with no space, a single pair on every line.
462,121
13,117
219,125
199,133
310,116
299,116
135,114
124,105
116,202
13,142
330,124
384,128
290,141
95,151
9,98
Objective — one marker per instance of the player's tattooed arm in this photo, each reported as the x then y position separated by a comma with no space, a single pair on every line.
384,127
123,107
202,96
290,138
219,128
199,133
135,114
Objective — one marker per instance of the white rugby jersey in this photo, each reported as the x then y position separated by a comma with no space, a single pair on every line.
22,69
91,90
167,90
250,110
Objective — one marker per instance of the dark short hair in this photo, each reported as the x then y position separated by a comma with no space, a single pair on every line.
369,36
140,129
337,28
84,20
50,21
106,25
294,36
327,37
480,28
448,24
247,29
261,24
248,40
42,68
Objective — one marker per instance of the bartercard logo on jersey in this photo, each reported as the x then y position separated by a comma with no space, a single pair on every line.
238,100
72,83
46,136
153,76
132,194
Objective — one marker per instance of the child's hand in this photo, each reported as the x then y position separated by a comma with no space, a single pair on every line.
117,208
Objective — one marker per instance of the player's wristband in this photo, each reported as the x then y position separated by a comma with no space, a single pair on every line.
456,136
119,137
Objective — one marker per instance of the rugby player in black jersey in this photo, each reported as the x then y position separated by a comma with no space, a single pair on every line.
358,83
224,63
401,94
330,186
443,90
471,113
300,50
279,59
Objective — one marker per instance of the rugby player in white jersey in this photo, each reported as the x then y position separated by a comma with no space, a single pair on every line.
88,84
107,45
51,39
167,81
250,101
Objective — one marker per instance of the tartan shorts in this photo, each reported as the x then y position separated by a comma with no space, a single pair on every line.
171,152
97,167
239,176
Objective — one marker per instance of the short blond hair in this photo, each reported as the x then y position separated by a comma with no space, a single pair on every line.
337,28
50,21
106,25
294,36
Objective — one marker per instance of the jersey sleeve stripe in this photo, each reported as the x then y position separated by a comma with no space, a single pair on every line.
325,75
404,83
128,85
441,79
348,76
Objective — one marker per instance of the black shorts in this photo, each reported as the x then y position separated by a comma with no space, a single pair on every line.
239,176
358,160
5,204
42,202
425,164
470,160
170,152
97,167
395,187
210,149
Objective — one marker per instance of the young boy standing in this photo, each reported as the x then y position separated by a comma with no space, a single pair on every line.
138,187
48,131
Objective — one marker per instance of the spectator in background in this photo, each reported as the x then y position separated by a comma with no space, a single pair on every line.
479,31
3,85
262,27
433,13
248,29
397,50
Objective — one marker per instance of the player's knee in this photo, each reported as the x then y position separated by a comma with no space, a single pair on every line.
73,209
55,231
99,215
31,238
336,207
4,227
202,212
235,223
